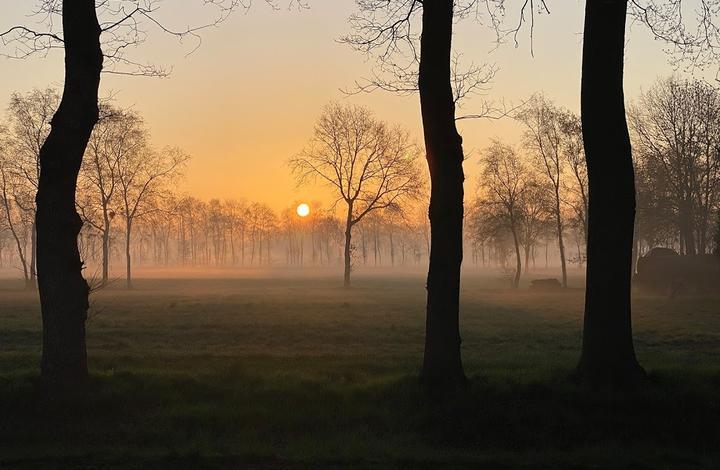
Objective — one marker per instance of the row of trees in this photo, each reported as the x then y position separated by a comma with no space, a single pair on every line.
120,175
540,188
412,41
538,194
129,211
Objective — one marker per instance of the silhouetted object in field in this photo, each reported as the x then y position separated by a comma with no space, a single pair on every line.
663,271
608,355
442,364
545,284
63,290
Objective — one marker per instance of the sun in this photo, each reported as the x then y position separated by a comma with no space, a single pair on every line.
303,210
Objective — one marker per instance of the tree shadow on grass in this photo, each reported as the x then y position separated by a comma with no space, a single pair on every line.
244,420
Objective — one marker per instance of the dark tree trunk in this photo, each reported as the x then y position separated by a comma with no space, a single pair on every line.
105,247
63,290
33,252
442,365
608,356
128,257
518,262
348,245
561,241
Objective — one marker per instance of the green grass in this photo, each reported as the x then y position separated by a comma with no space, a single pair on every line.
299,373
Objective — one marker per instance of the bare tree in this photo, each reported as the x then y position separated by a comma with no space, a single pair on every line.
677,133
690,30
95,36
141,176
15,223
544,138
368,164
29,119
537,211
576,189
118,134
413,38
505,182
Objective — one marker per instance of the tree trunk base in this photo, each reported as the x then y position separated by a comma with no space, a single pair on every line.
438,389
627,375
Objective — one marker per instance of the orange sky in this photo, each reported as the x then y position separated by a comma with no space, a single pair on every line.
246,101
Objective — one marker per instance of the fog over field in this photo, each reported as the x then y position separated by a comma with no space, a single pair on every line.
359,234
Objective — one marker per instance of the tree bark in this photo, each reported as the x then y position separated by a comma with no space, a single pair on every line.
442,365
608,355
63,290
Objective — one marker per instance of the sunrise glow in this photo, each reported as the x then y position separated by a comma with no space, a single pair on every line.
303,210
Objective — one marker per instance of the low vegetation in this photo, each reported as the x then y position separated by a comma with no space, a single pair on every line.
297,372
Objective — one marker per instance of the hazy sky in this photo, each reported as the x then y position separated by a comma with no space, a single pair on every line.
246,101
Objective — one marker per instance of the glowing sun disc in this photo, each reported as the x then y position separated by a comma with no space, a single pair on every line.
303,210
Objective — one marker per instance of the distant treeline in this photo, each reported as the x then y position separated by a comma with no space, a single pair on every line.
530,208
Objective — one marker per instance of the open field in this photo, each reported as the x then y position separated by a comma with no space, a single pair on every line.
297,372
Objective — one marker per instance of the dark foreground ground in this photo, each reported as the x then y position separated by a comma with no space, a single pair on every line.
300,373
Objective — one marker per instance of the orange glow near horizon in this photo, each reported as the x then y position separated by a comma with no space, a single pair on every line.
246,102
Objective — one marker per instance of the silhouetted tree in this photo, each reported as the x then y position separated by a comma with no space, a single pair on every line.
29,119
505,182
117,134
369,165
14,221
544,138
63,290
410,62
676,126
142,173
608,355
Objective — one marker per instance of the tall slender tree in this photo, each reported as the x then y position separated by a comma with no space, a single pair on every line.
442,364
426,65
63,290
608,355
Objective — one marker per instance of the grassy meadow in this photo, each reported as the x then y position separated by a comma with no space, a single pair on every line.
291,371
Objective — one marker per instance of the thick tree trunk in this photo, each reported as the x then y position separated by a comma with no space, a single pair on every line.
608,356
348,246
63,290
442,366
